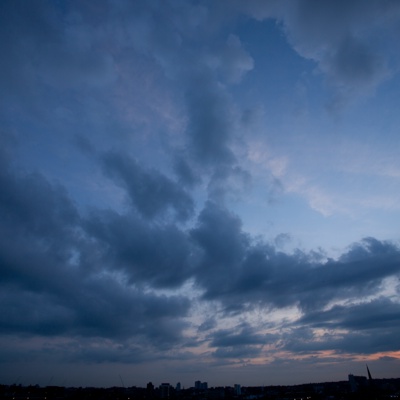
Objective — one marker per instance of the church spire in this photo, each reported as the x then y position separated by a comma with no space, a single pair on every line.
369,375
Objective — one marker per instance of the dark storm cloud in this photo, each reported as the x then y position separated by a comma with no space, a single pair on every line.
239,271
75,45
52,282
209,323
242,335
159,255
209,127
107,308
185,172
354,62
96,307
380,313
22,203
38,228
151,192
345,39
98,351
211,134
366,328
239,342
199,72
237,352
63,274
219,235
28,312
337,35
242,274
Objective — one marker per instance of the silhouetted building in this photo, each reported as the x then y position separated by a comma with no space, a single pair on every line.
198,385
357,382
238,389
165,389
150,387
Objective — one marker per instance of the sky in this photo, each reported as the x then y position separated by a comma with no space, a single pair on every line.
199,190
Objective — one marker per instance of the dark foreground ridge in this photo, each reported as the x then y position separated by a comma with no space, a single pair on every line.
356,388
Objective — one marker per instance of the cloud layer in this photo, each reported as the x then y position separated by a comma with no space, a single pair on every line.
131,181
97,276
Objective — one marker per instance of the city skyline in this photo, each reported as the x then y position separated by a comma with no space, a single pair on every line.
353,384
197,189
357,387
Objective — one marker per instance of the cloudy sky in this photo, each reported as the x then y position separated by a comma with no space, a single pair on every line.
199,190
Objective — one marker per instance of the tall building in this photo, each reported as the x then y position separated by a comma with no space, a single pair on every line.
237,389
357,382
198,385
165,390
369,377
